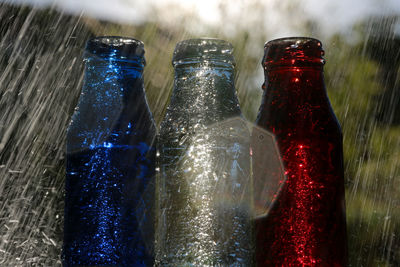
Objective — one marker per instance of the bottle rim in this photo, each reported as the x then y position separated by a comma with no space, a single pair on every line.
292,39
117,47
115,41
293,51
197,50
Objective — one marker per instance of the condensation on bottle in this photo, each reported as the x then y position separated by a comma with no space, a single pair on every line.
204,197
110,161
306,225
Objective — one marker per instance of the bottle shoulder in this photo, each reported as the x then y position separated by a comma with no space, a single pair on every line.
319,120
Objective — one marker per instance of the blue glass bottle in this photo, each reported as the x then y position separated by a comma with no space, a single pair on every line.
110,161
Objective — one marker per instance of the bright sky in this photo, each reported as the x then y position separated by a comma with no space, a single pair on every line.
331,15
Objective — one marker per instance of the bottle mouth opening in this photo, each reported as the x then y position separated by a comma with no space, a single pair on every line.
199,50
293,51
116,47
116,41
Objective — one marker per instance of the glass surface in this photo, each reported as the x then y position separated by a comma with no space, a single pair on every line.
110,161
307,225
204,216
42,71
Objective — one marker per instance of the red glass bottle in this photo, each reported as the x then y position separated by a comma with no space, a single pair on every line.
306,226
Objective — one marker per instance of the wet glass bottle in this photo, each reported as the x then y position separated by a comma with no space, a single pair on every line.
306,226
204,201
110,161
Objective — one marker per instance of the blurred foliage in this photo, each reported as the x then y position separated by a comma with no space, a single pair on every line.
359,78
362,78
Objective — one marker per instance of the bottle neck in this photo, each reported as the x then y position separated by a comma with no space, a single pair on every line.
112,74
112,88
293,68
112,106
114,68
205,90
295,101
296,84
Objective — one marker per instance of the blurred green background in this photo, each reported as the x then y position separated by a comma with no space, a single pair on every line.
41,72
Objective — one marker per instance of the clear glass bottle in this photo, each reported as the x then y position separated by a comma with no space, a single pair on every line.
110,161
204,212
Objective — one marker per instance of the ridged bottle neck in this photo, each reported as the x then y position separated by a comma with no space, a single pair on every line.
202,51
295,96
114,66
116,50
294,66
204,80
293,52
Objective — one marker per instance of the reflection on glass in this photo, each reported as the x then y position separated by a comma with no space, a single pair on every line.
306,226
110,161
204,210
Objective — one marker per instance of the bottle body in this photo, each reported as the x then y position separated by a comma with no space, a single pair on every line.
204,218
306,226
110,161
